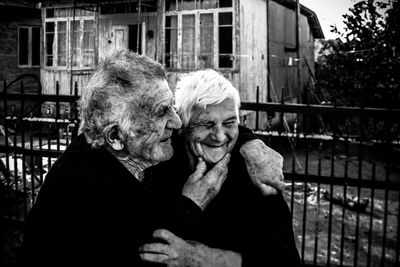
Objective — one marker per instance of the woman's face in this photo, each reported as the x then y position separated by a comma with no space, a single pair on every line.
212,132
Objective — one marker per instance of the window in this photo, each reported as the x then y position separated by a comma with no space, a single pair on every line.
199,34
28,46
69,42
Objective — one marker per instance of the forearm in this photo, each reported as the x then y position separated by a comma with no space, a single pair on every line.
213,257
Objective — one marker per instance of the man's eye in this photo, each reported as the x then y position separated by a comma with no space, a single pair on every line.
163,111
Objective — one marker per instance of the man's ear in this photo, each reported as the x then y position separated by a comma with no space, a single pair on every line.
113,138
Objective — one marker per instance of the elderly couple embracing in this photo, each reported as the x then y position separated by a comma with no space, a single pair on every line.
155,180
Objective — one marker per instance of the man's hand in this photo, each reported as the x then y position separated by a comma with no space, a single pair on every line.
202,187
264,166
175,252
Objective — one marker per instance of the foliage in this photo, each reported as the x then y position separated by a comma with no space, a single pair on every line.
362,68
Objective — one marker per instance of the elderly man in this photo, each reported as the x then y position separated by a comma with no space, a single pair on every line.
94,208
247,228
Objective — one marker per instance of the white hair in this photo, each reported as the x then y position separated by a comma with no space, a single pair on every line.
201,88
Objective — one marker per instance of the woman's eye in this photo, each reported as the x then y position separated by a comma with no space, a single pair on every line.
230,123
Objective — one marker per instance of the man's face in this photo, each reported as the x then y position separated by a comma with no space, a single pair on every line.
212,132
154,119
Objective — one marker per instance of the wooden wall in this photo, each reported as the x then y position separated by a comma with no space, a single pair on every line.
283,64
253,50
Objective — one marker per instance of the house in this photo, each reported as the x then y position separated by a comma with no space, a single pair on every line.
20,31
254,43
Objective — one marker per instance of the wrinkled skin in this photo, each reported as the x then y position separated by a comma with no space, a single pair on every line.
175,252
151,124
202,187
264,166
212,132
154,119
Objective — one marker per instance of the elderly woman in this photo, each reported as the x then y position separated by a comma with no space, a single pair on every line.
94,208
248,229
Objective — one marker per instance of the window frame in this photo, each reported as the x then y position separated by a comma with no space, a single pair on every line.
68,20
29,45
197,13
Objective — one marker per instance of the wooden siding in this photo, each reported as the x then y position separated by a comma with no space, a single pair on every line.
283,64
50,77
108,23
253,50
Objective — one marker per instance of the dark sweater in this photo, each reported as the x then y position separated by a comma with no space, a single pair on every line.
239,218
92,211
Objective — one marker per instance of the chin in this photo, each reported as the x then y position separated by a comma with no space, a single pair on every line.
213,157
162,153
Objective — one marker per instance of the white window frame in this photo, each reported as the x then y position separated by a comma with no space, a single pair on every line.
197,12
29,45
68,21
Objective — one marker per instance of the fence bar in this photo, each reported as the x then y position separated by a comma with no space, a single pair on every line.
57,115
305,194
317,215
343,225
23,160
371,218
320,109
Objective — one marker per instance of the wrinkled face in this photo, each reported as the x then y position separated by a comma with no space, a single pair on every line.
154,119
212,132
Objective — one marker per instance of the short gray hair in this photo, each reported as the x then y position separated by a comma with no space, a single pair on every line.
108,96
201,88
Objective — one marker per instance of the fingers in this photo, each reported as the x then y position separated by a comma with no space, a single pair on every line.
154,257
169,237
158,248
267,190
201,169
217,175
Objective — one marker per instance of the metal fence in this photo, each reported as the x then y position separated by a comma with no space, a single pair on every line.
341,165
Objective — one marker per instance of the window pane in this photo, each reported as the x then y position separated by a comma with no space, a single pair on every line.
49,12
171,41
150,6
49,43
61,43
188,41
75,37
187,4
35,46
106,9
225,61
23,46
61,12
225,40
170,5
171,22
204,4
88,43
225,3
205,59
225,19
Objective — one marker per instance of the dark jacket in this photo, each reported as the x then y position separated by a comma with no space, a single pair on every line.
91,211
239,218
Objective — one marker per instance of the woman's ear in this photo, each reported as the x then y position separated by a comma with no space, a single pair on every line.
113,138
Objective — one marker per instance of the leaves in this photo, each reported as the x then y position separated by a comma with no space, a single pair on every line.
363,67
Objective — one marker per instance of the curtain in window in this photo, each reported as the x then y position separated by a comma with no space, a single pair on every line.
188,41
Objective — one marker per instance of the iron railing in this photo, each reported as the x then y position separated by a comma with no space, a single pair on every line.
341,165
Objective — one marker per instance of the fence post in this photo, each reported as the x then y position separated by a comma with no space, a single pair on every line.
257,102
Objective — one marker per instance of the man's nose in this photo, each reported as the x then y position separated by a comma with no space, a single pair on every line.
174,122
218,134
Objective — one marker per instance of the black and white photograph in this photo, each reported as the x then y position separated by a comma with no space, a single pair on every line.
200,133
